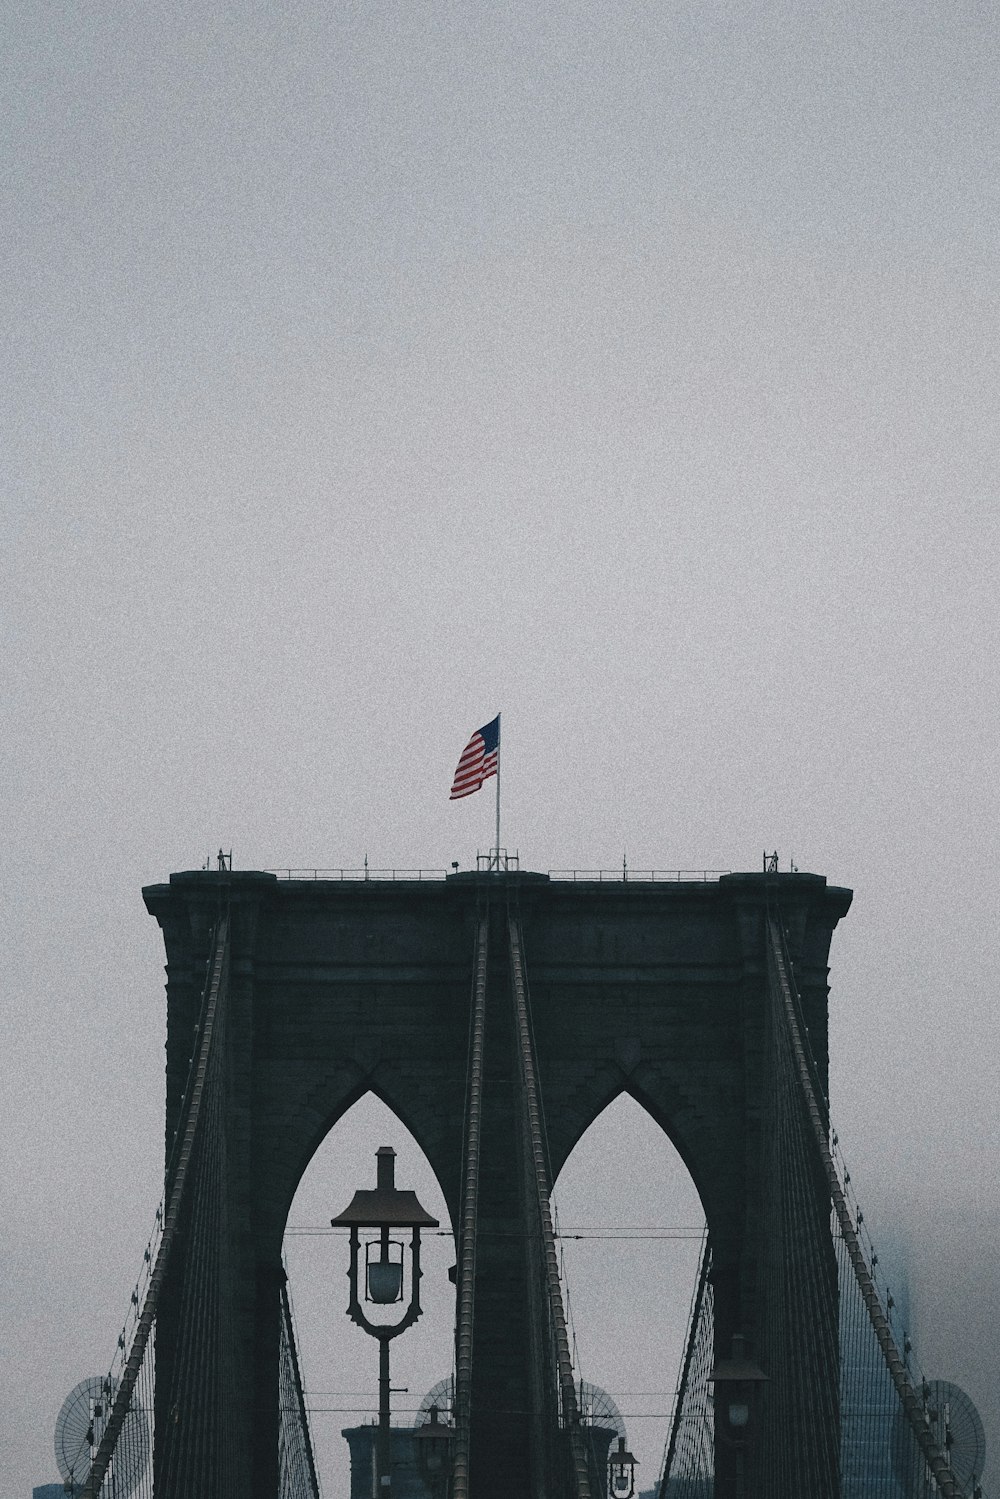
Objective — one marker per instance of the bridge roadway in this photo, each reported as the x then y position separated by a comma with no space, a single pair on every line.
339,988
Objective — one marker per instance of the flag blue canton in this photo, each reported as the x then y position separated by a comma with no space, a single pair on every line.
491,734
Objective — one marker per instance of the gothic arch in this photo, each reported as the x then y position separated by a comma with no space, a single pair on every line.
319,1113
335,1356
630,1296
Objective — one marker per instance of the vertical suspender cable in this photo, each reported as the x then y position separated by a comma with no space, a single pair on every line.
542,1188
144,1327
943,1476
470,1208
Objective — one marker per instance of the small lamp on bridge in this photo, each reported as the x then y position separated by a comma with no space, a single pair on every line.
433,1440
621,1472
386,1209
736,1381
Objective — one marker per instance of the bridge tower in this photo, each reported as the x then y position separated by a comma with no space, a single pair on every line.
658,989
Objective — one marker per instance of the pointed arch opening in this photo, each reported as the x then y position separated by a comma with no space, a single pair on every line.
338,1361
631,1226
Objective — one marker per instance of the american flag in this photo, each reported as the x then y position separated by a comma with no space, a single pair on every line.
479,760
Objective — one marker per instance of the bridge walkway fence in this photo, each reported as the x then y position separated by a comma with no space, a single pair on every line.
176,1434
841,1372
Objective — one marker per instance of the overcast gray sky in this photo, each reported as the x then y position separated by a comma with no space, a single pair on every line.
369,369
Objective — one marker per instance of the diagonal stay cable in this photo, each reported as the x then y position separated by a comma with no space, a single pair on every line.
680,1397
299,1411
943,1476
542,1192
144,1327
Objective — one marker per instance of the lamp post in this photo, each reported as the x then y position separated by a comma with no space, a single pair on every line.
433,1441
385,1209
621,1473
737,1380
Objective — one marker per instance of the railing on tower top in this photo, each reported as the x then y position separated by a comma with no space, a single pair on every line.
508,864
628,876
358,876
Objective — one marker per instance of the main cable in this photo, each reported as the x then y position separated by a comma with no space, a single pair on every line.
542,1185
469,1213
123,1396
943,1476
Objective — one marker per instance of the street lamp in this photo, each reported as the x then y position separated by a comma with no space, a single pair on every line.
621,1472
434,1452
386,1209
736,1381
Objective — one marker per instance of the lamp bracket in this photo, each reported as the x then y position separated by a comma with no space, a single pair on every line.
385,1332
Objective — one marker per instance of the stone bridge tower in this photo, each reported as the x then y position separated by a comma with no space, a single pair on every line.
338,988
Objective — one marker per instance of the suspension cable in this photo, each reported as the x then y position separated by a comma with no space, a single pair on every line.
470,1208
933,1456
540,1173
144,1326
299,1412
680,1395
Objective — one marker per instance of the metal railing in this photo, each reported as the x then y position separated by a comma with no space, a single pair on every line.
359,876
498,861
639,876
508,863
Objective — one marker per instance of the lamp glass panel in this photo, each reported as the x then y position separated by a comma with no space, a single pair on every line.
739,1413
385,1281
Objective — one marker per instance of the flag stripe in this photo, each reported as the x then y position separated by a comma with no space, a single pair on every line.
477,776
467,789
477,763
